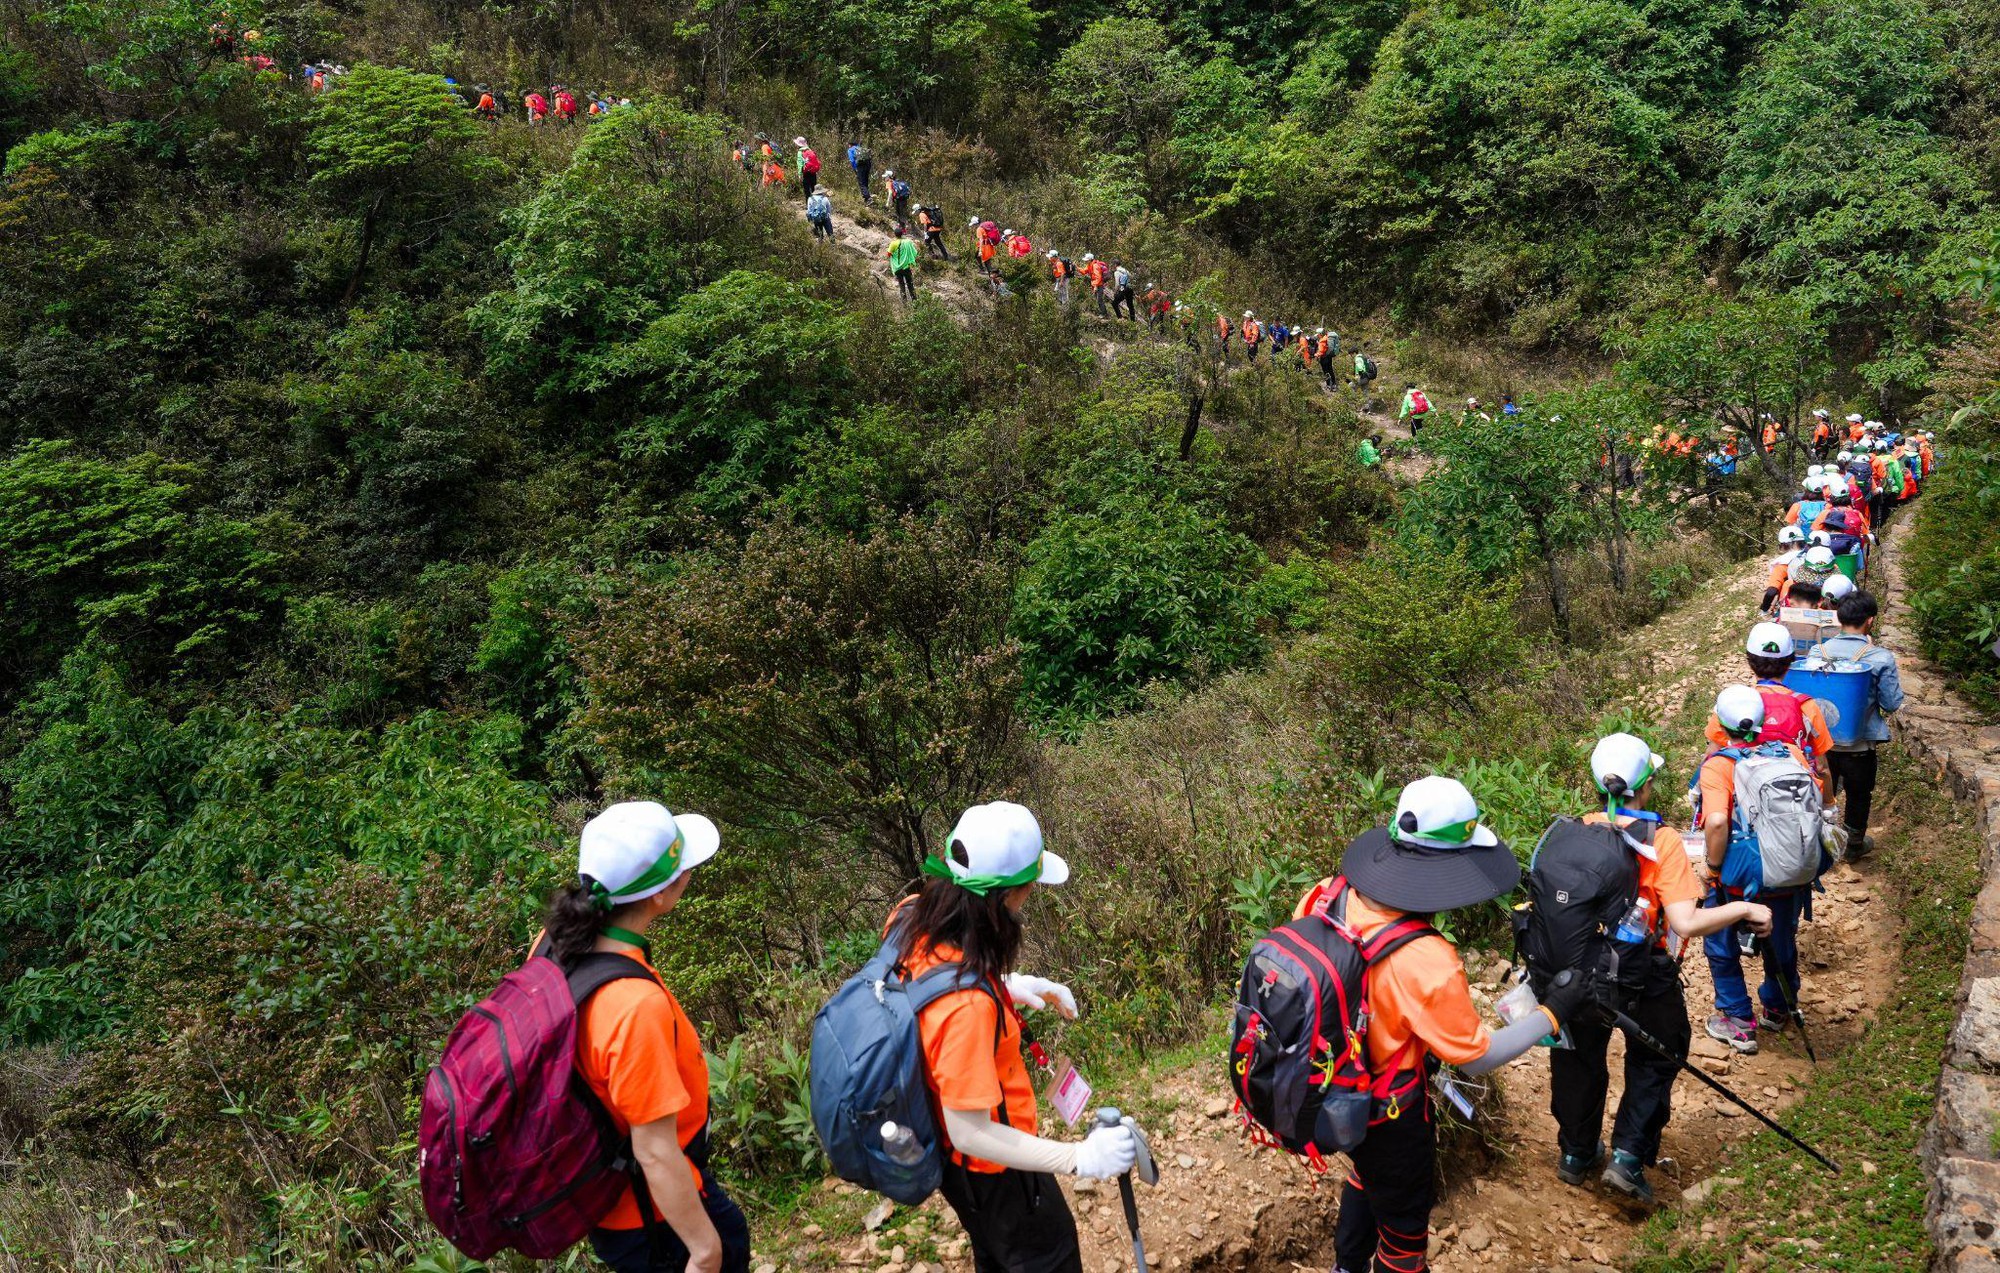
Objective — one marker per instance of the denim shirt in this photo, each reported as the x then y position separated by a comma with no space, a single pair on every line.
1887,695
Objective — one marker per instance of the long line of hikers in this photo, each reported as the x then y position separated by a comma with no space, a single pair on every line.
573,1103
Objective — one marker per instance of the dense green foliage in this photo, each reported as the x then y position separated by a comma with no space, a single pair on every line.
381,491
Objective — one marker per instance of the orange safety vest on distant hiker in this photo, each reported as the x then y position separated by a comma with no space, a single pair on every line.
1855,429
1822,433
1094,271
1770,435
1222,328
774,173
1253,331
486,105
1058,269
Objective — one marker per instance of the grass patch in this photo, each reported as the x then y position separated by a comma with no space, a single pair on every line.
1868,1105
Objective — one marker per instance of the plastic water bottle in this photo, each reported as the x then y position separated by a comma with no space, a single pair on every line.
900,1143
1637,925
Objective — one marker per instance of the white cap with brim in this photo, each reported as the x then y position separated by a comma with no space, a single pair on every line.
1836,586
1739,709
1770,640
1433,856
1626,757
637,848
996,846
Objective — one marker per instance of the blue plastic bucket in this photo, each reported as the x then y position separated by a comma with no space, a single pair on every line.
1843,698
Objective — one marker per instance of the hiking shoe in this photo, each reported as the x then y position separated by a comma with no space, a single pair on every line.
1576,1168
1859,844
1773,1021
1625,1174
1738,1032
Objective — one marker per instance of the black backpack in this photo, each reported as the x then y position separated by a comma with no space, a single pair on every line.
1298,1056
1581,881
1367,366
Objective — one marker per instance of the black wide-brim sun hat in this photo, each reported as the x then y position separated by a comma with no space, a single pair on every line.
1414,877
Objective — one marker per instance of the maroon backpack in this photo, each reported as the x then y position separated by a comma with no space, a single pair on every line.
517,1151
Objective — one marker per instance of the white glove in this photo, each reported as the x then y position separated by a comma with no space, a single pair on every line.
1107,1152
1036,992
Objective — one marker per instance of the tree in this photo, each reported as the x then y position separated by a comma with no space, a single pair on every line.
1124,83
1733,361
383,140
1508,489
848,690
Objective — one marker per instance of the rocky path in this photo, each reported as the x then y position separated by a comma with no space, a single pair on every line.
1223,1204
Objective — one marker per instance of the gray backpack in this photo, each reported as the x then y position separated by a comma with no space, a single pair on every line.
1779,812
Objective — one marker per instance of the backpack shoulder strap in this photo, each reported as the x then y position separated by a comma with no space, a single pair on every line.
1391,938
599,969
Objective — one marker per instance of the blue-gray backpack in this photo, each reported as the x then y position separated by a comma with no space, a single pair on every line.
867,1069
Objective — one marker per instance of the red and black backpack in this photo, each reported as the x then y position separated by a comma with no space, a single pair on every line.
1299,1044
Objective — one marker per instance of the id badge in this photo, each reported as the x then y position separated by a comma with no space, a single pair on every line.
1069,1092
1452,1095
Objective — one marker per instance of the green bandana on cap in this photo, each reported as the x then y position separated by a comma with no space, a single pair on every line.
661,871
982,884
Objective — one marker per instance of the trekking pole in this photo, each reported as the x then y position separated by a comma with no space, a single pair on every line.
1110,1117
1755,945
1635,1030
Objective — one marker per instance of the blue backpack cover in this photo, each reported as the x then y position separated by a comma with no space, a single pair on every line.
867,1068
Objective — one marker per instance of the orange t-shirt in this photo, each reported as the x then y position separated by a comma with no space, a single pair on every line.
1668,876
640,1054
965,1067
1418,994
1781,569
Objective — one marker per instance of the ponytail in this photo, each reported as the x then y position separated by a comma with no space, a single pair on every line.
576,919
1614,791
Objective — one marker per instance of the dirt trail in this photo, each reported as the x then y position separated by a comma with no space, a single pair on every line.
1223,1204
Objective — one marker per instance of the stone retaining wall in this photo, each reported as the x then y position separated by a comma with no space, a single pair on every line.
1961,1148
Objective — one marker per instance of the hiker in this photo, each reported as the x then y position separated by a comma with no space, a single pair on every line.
1060,270
1507,406
1000,1175
1852,767
487,109
1726,828
1121,292
1416,408
899,195
1280,332
774,173
637,1050
1370,451
1158,306
1364,374
1019,247
932,222
1789,716
983,244
1324,349
1791,542
1433,856
819,214
565,102
1822,434
1253,336
808,160
1223,331
1095,273
1803,577
862,161
1648,985
903,262
537,107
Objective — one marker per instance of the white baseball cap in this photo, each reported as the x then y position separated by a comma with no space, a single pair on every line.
1845,456
1439,813
1002,845
1854,419
1771,640
1623,756
1814,470
637,848
1089,256
1835,488
1791,535
1739,709
1836,586
1820,557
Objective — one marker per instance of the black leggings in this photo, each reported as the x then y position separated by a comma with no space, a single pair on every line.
1580,1077
1017,1221
637,1251
1385,1208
